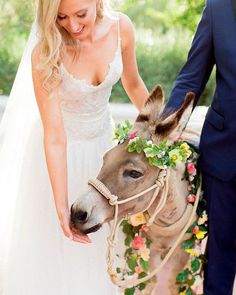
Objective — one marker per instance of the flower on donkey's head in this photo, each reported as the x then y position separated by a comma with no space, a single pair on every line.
180,138
137,219
138,242
191,169
176,156
144,253
133,135
149,152
186,149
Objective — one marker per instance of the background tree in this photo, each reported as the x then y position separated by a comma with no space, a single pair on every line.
164,31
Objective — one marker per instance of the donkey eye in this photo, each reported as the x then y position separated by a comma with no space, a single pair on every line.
132,173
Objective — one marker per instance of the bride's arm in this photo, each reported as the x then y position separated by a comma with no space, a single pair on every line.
55,145
131,80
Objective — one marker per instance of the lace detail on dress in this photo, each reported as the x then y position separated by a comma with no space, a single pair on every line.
84,106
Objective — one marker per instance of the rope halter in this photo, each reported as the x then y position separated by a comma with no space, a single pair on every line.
161,182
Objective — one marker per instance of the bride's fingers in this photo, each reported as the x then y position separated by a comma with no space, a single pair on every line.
80,235
66,229
81,239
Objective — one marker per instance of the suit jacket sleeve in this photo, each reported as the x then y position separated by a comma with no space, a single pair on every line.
196,71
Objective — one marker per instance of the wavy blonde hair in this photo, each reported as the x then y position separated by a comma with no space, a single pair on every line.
52,39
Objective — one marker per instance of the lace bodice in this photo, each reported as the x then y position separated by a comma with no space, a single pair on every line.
84,107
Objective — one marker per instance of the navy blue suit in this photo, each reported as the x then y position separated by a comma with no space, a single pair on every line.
215,44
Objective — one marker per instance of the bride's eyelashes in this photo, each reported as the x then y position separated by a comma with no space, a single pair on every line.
78,15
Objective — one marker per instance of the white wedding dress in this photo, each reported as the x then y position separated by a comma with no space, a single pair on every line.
41,260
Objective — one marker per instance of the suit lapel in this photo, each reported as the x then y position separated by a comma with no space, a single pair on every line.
234,7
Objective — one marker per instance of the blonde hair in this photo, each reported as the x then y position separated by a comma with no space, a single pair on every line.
52,39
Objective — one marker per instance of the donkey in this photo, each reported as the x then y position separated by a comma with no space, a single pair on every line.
126,174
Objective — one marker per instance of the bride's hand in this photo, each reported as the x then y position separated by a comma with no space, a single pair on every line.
64,217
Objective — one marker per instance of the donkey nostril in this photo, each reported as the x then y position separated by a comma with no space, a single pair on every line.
80,216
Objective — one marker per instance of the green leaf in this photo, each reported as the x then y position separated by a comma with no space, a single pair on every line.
128,252
142,286
203,258
182,277
124,222
144,264
188,244
127,228
195,264
118,270
148,243
142,275
190,229
131,263
191,281
189,292
130,291
128,240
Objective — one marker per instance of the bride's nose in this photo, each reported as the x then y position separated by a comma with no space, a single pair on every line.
74,26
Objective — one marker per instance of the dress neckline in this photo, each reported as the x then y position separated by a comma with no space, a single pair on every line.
91,85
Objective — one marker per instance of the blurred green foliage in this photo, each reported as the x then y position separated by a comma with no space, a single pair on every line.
164,31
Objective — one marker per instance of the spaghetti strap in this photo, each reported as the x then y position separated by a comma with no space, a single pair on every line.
118,28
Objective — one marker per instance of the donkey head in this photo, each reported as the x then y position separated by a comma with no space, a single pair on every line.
126,174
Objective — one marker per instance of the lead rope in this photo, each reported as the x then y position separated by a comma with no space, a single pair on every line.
113,201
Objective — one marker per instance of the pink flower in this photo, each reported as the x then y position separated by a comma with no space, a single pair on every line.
191,198
138,269
180,138
144,228
191,178
191,168
196,230
133,135
138,242
190,188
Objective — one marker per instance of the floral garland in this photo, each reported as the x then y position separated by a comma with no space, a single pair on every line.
137,242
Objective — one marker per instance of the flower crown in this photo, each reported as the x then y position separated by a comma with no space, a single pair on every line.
137,242
162,155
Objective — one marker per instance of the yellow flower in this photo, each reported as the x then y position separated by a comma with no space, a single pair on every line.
175,156
182,293
137,219
192,252
201,234
185,147
145,253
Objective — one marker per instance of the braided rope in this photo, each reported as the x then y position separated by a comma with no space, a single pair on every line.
114,201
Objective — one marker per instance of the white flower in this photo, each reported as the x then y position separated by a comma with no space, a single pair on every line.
203,218
137,219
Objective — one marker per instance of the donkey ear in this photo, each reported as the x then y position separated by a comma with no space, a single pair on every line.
172,127
152,107
150,111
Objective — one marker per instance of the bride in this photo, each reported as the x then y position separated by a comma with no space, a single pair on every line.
55,129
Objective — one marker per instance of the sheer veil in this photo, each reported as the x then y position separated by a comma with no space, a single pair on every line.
17,123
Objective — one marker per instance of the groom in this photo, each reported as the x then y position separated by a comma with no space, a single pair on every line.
215,44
